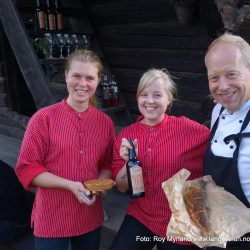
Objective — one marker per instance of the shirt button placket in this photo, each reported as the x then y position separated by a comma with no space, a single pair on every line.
80,133
81,142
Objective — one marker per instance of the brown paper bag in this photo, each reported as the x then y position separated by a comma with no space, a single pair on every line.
218,216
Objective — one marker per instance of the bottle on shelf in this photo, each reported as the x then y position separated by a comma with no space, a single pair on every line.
59,16
106,93
50,14
40,16
134,173
114,92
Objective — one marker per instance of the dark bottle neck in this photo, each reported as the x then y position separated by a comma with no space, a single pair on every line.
48,4
132,154
57,5
38,4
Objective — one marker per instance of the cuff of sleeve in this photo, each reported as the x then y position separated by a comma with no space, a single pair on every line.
29,174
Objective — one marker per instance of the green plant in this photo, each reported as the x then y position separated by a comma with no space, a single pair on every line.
181,2
41,45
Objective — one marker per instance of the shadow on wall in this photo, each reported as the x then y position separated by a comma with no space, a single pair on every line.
206,111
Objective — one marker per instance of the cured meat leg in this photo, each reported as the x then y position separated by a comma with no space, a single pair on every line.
195,200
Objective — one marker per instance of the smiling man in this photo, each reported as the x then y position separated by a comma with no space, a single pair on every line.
227,159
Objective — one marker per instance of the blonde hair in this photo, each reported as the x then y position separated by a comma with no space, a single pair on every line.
153,74
235,40
86,56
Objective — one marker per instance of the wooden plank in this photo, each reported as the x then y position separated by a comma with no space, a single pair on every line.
126,4
153,41
192,110
183,93
173,60
129,78
25,54
189,94
118,12
192,80
168,28
186,108
122,17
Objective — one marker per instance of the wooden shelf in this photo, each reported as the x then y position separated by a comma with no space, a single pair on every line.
40,33
52,61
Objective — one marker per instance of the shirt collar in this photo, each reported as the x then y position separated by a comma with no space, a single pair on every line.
73,111
155,127
245,107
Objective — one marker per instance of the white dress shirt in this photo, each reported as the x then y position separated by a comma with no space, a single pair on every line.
231,124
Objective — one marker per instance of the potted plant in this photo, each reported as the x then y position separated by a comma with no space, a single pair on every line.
41,46
184,9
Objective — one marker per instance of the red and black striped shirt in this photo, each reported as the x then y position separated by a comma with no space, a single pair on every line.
163,150
73,145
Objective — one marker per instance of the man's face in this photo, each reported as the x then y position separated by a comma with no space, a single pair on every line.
228,76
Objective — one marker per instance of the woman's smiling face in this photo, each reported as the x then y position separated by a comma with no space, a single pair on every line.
153,102
82,80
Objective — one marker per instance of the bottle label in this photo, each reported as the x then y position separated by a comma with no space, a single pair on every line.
136,179
59,21
42,20
52,22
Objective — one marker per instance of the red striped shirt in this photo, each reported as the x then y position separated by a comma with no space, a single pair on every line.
71,145
164,149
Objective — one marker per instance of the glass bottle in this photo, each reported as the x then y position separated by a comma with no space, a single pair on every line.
106,95
134,173
114,90
59,17
40,16
51,22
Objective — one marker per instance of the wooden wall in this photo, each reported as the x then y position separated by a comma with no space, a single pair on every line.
137,35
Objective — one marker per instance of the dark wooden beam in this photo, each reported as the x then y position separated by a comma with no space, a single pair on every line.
154,41
130,11
26,56
173,60
165,28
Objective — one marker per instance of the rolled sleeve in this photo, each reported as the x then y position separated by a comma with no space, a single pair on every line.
33,150
27,173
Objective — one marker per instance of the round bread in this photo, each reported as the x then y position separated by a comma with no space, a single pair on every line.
99,184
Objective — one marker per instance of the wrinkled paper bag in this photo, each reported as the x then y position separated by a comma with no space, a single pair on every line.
229,218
